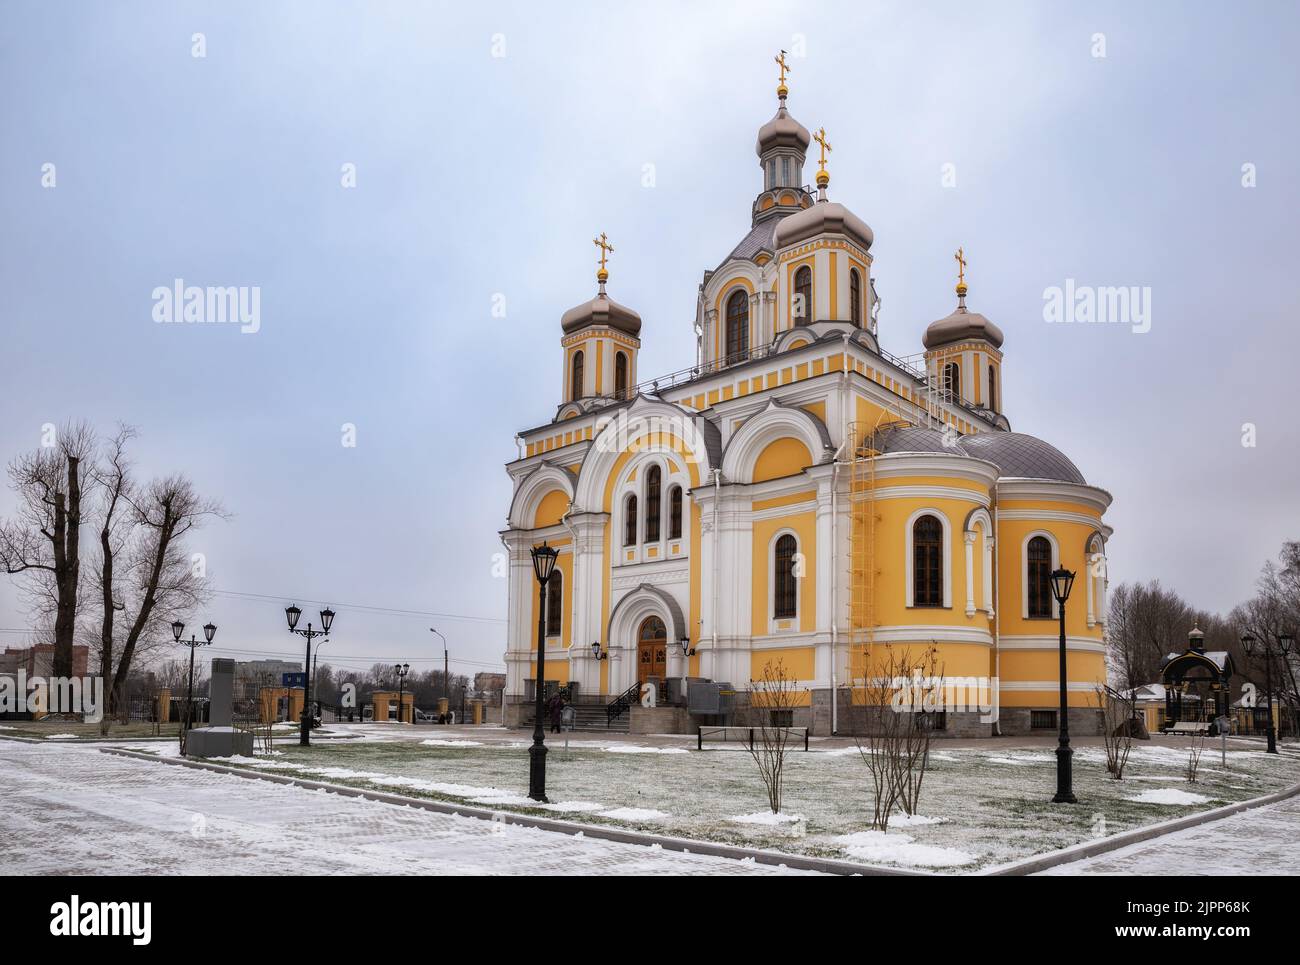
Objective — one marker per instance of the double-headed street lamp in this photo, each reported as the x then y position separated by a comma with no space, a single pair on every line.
1062,583
401,669
292,613
209,631
543,566
446,669
1285,642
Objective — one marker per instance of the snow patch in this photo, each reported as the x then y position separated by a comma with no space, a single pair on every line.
60,737
768,818
1168,795
635,814
573,807
641,749
900,849
435,742
913,820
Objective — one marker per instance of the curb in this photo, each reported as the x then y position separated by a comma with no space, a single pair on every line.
1090,849
829,866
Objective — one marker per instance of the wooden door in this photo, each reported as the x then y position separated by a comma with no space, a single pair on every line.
652,650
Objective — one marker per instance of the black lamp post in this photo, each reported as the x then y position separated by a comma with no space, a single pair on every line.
1062,583
292,613
1287,642
209,631
401,669
1248,644
446,670
543,566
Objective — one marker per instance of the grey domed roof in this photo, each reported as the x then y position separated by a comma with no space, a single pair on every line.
782,131
1021,455
1014,453
601,311
961,325
824,217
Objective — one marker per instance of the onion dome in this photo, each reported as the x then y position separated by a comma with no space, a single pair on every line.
782,131
824,217
602,311
962,325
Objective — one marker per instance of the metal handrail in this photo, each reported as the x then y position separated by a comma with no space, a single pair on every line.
622,703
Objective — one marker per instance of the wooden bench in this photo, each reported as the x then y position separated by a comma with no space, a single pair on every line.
1189,727
746,735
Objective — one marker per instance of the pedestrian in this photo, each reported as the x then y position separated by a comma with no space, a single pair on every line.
557,712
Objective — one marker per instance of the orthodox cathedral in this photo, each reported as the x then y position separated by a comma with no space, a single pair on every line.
799,495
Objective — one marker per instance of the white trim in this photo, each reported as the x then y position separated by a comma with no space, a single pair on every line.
789,509
1049,686
932,492
909,536
1017,487
1049,515
1044,642
1024,573
937,632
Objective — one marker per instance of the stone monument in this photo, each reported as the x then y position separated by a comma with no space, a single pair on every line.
219,738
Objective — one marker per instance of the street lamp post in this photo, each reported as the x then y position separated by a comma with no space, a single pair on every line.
291,614
1287,642
401,669
1248,642
209,631
1062,583
543,565
446,670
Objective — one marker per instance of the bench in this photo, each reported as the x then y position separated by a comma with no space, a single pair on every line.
1189,727
746,735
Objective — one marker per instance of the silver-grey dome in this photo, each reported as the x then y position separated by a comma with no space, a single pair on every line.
1015,454
1020,455
824,217
960,326
602,312
782,131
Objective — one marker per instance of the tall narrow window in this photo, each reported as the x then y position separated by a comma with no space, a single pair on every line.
652,504
555,603
784,582
993,389
785,171
952,381
771,173
855,296
803,296
1038,577
737,326
629,522
927,562
675,513
620,376
575,389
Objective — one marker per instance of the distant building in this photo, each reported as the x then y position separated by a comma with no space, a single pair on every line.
252,675
38,660
489,683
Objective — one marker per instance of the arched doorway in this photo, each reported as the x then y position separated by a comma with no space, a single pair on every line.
651,650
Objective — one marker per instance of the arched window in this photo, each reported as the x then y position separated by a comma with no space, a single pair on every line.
652,504
575,388
771,173
554,603
785,170
927,562
784,602
675,513
1038,577
737,326
952,381
855,296
620,376
803,296
993,389
629,522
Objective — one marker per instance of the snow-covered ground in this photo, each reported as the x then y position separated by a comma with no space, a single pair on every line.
69,809
1259,841
983,804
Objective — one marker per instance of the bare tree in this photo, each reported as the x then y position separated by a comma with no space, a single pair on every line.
1145,623
774,696
42,540
1194,753
1117,712
925,695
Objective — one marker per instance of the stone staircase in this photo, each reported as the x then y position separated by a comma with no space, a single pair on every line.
591,718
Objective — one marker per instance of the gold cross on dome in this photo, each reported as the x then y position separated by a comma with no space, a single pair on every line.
784,66
605,248
820,138
961,267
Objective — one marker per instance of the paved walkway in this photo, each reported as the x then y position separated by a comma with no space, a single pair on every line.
1258,841
73,810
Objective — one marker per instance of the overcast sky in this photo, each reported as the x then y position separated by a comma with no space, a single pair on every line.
480,175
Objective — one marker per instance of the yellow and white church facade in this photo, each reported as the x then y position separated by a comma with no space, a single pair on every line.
799,493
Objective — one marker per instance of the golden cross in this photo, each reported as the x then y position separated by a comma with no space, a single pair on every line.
961,267
820,138
784,67
605,248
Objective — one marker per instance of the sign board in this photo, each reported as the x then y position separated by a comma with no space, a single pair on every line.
294,680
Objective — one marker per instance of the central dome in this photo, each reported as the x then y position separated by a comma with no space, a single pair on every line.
782,131
1016,454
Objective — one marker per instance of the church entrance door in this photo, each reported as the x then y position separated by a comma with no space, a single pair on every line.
652,651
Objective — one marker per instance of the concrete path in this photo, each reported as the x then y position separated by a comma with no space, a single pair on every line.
73,810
